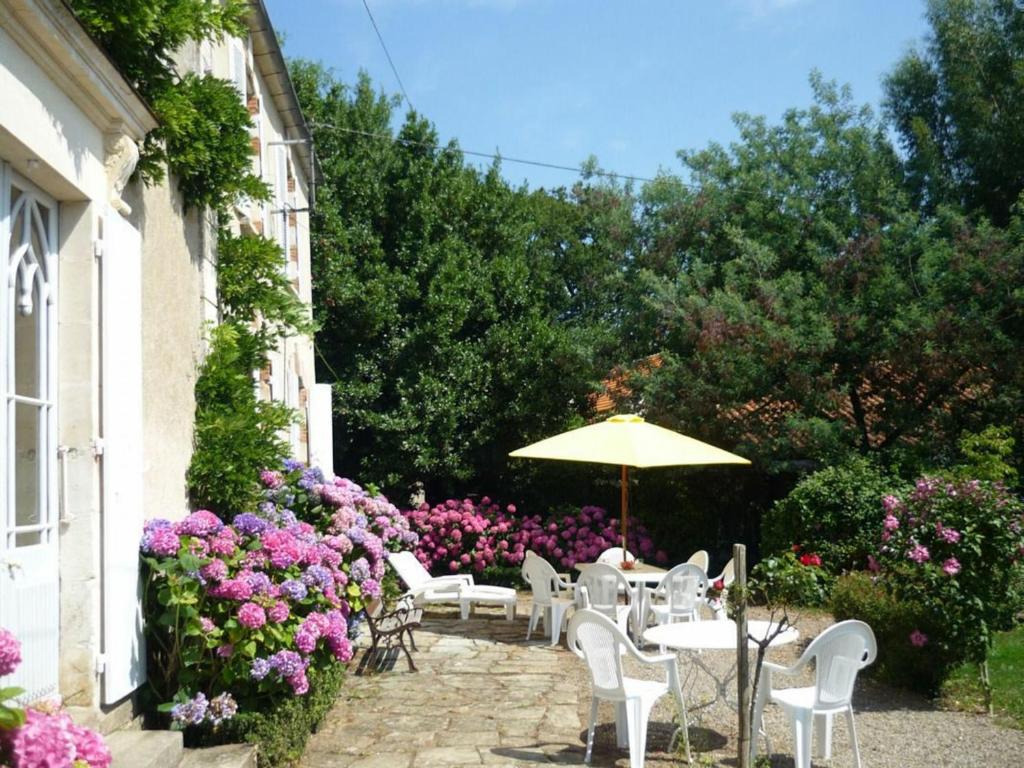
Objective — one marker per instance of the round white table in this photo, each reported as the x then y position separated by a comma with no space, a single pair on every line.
696,636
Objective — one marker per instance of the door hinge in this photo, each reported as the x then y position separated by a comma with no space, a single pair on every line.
97,446
101,664
97,248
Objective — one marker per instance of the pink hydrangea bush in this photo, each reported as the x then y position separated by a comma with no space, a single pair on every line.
471,535
361,525
43,736
222,600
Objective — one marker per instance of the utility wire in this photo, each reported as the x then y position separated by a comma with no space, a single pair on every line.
383,45
490,155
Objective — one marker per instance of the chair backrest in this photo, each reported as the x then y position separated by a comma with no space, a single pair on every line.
839,653
541,577
598,641
409,569
602,584
683,587
728,574
700,559
615,555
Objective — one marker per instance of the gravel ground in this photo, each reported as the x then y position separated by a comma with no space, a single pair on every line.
895,728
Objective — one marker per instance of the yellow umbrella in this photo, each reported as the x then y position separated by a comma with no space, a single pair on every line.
629,441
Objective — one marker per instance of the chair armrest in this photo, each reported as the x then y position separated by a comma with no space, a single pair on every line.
779,669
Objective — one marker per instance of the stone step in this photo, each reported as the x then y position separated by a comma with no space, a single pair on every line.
226,756
145,749
120,717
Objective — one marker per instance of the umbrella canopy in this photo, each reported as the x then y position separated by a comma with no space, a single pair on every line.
628,441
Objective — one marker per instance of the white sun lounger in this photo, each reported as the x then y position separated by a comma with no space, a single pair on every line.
458,588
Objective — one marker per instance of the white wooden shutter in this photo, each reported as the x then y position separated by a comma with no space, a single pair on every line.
124,653
320,427
236,49
281,196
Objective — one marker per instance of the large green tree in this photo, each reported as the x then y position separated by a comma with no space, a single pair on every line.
804,307
958,107
459,316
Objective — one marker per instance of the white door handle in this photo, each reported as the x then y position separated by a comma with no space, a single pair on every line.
12,566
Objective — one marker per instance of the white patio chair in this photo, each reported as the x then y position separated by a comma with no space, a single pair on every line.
679,595
615,555
599,588
457,588
548,601
601,644
728,574
839,653
700,559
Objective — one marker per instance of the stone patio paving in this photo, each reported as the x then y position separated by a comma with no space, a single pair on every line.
483,696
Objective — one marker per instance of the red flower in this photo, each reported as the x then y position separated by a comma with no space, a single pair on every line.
796,547
810,559
719,584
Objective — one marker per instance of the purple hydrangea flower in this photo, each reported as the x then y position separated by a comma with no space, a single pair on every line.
248,524
222,707
260,668
191,712
287,663
294,589
359,570
319,576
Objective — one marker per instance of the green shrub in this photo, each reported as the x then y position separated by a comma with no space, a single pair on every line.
785,580
279,733
236,435
834,512
860,596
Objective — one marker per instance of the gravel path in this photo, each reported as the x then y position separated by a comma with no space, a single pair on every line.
484,696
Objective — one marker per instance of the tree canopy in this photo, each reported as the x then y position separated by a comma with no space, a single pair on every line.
460,317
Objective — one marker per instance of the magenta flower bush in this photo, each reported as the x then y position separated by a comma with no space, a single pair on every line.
42,736
472,536
947,557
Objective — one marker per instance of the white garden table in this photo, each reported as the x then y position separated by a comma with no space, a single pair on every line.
693,637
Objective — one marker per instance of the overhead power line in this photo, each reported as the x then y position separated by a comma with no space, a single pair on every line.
387,53
490,155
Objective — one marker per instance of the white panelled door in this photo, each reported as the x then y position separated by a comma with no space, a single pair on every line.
124,657
29,576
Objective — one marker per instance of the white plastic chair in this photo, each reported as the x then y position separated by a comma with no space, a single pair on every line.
679,594
615,555
599,588
601,644
457,588
728,574
839,653
700,559
547,587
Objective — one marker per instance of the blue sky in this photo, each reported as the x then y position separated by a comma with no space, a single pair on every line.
629,82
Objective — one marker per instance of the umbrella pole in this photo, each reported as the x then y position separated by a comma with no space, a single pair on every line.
625,507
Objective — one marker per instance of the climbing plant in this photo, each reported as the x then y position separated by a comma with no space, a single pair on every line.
203,136
203,139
